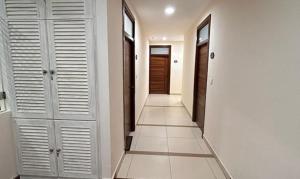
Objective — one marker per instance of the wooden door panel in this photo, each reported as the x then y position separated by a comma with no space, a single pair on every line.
201,85
76,152
159,74
129,85
35,147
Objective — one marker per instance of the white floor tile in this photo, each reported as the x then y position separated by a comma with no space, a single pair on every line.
153,131
164,100
125,166
178,121
191,168
153,144
147,166
184,145
216,168
182,132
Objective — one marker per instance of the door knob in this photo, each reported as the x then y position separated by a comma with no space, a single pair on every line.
51,151
45,72
58,152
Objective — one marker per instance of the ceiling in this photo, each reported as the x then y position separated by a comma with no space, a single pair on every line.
157,25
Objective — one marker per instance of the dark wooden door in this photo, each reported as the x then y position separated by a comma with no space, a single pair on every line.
159,74
129,90
201,85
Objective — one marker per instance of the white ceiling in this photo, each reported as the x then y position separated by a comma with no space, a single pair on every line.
157,25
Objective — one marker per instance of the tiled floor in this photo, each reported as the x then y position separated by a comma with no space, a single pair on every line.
169,144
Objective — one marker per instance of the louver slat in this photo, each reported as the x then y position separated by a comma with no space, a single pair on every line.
28,59
77,141
69,8
72,59
24,9
34,139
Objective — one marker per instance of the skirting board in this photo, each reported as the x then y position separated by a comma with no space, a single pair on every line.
118,166
226,173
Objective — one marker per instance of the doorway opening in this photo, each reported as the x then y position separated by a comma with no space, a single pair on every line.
128,74
160,69
201,72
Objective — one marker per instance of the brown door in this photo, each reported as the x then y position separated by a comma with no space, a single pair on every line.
129,90
201,85
159,74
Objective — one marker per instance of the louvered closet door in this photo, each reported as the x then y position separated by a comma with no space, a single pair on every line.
72,62
77,142
66,9
28,55
35,138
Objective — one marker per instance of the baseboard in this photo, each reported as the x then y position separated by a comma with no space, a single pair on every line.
220,163
118,166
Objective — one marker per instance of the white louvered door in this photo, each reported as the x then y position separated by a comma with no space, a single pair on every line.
72,61
69,9
78,152
35,140
29,59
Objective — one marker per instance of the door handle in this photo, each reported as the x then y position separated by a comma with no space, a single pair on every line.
51,151
58,152
45,72
52,72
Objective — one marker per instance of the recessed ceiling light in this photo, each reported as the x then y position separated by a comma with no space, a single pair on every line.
164,38
169,10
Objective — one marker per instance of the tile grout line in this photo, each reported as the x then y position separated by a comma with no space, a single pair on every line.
170,166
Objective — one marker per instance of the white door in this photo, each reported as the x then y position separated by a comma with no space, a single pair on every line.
28,59
35,147
72,62
76,149
69,9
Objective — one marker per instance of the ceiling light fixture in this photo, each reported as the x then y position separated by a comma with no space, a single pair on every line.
164,38
169,10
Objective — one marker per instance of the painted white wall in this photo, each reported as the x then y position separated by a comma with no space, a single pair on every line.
7,147
252,115
176,68
102,89
115,60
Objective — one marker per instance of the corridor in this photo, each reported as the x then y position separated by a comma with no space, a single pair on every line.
167,144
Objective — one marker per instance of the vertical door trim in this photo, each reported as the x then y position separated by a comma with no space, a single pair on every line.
206,21
169,65
125,9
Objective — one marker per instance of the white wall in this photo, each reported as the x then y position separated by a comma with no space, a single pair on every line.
115,59
252,115
7,148
176,68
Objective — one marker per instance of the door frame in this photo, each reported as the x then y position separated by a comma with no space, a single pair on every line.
169,61
125,9
206,21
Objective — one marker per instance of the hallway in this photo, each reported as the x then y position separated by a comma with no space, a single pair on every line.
167,144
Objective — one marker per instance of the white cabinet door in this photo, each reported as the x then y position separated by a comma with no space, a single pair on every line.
66,9
28,59
71,54
25,9
35,142
76,143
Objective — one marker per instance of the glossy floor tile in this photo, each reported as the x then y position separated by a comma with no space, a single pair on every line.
149,166
191,168
164,100
168,130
